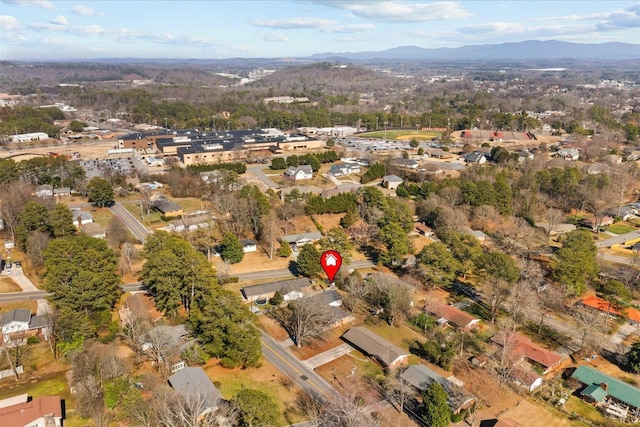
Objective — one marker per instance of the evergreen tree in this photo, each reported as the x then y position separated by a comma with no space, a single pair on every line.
100,191
231,249
633,358
34,217
309,261
436,411
256,408
575,265
285,250
81,274
61,221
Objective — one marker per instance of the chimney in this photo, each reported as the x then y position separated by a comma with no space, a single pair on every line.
604,386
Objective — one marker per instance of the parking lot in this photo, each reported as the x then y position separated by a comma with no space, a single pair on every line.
108,167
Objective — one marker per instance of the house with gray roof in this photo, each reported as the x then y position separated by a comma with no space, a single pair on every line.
19,324
167,207
406,163
299,173
421,377
193,383
477,158
302,238
391,181
389,355
290,289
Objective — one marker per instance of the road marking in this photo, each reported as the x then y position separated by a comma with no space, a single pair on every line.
295,369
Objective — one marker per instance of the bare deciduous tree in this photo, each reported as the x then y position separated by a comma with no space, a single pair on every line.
304,318
128,253
14,197
497,293
36,244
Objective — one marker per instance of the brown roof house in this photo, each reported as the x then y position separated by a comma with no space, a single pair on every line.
389,355
44,411
451,315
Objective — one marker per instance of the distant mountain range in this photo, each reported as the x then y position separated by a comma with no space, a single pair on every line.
527,50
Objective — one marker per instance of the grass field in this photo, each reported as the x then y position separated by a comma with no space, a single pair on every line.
27,305
401,134
621,228
8,285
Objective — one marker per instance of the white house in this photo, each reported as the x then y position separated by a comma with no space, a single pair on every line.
27,137
477,157
44,190
81,217
344,169
15,321
299,173
391,182
569,154
249,245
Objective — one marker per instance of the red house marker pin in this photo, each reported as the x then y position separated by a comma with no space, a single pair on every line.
330,262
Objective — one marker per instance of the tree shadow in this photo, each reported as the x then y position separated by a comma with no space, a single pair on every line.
416,349
293,268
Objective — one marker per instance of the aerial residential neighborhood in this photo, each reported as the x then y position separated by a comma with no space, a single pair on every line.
389,236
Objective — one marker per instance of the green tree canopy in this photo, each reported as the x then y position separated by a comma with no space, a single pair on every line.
231,249
633,358
436,411
501,266
61,221
575,265
34,217
100,191
177,275
441,266
257,409
309,260
81,274
224,327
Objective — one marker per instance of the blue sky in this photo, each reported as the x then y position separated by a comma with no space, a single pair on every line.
49,29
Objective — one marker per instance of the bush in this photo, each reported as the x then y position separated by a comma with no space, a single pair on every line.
33,340
284,250
277,299
228,363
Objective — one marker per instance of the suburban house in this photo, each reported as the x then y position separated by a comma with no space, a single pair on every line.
248,245
608,309
406,163
63,191
475,233
476,158
598,168
391,182
593,226
302,238
389,355
569,154
438,153
44,411
290,289
450,315
299,173
190,223
333,299
624,212
81,217
420,377
19,324
193,383
44,190
528,359
423,229
344,169
93,229
557,228
612,396
167,208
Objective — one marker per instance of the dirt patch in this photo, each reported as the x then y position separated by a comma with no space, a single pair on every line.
531,414
255,261
328,221
420,242
8,285
273,328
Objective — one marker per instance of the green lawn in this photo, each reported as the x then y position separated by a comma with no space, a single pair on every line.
575,405
621,228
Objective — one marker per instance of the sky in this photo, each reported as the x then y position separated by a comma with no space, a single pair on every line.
68,29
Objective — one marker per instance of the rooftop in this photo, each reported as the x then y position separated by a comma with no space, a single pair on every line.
194,382
374,345
616,388
452,314
24,414
283,285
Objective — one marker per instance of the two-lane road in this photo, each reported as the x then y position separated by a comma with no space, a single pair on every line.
305,378
137,228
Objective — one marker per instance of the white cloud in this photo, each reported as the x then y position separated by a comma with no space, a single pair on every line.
83,10
402,11
274,37
44,4
9,23
59,20
324,25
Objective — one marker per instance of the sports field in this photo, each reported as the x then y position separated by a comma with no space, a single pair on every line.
401,134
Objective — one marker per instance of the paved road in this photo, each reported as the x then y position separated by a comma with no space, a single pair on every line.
138,229
301,375
27,287
617,259
285,272
618,239
257,171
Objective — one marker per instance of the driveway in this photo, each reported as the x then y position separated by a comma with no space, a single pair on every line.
27,286
257,171
328,356
618,239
